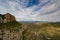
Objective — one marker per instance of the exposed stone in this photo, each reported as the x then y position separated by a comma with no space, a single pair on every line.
7,18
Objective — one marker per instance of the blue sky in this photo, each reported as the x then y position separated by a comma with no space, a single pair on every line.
32,10
32,3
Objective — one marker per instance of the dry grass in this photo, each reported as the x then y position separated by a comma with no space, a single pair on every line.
47,31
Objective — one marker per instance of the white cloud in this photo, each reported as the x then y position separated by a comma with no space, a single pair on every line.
48,12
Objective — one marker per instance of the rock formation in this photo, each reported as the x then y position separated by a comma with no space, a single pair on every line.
7,18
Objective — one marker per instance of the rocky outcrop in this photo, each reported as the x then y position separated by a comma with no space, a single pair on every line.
7,18
15,33
8,35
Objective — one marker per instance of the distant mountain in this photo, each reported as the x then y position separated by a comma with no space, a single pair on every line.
31,22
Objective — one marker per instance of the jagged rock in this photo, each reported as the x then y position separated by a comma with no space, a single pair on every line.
7,18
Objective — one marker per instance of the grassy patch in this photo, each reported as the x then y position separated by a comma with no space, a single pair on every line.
50,31
10,26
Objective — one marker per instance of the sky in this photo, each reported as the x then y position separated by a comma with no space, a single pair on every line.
32,10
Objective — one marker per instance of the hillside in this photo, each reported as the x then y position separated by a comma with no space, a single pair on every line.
44,31
40,31
13,30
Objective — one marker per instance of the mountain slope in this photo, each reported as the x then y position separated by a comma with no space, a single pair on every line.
18,31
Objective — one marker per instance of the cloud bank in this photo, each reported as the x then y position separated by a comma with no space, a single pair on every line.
32,10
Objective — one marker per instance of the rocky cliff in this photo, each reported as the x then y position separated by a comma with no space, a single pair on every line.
7,18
